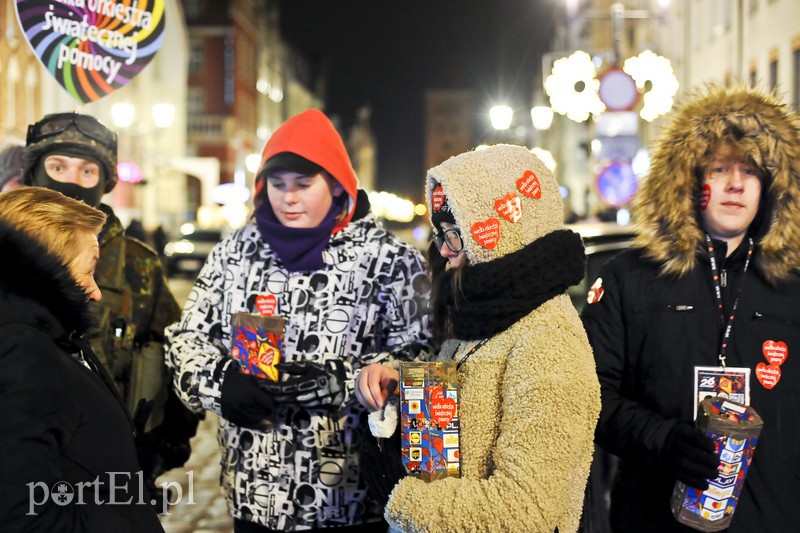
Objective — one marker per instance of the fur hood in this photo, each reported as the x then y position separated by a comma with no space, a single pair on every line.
665,208
30,272
502,197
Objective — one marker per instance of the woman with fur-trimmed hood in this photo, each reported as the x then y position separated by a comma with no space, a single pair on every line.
718,247
528,392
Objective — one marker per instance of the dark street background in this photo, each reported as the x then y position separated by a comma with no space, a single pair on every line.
384,54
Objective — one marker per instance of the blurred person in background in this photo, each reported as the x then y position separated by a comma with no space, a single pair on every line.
76,155
351,294
528,395
11,167
711,281
68,460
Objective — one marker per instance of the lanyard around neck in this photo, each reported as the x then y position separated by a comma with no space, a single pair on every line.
472,351
727,323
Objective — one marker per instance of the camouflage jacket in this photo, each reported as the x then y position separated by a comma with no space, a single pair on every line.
135,307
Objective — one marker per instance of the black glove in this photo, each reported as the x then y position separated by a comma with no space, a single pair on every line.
242,401
381,467
692,455
309,385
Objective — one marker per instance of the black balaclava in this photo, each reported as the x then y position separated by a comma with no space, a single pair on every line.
90,196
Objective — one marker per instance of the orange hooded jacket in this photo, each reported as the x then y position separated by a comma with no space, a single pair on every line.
312,135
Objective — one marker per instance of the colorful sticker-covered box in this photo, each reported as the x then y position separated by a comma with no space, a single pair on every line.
257,343
734,428
429,419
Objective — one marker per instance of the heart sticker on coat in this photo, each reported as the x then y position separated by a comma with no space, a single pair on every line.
768,375
92,48
775,352
442,409
509,207
487,233
529,185
266,304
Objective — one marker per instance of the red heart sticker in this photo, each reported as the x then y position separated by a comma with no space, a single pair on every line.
529,185
266,304
487,233
442,409
437,198
768,375
705,196
509,207
775,352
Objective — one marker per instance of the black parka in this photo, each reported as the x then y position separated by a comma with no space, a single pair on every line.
656,317
63,429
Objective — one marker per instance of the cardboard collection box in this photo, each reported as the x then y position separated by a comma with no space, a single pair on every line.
429,419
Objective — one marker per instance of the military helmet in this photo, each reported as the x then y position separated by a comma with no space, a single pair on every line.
73,132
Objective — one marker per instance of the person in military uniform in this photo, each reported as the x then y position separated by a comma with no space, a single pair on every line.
76,155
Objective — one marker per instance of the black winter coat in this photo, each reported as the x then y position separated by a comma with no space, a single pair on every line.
63,430
649,332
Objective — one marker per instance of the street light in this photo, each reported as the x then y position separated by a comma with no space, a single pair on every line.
163,114
501,117
122,114
542,117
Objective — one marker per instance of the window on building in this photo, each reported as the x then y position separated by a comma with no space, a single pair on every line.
195,102
195,55
753,78
193,9
773,74
796,79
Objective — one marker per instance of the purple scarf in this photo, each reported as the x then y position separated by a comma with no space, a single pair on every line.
299,249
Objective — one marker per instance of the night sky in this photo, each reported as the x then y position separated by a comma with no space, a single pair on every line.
386,53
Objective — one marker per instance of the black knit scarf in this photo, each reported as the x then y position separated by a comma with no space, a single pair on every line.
498,293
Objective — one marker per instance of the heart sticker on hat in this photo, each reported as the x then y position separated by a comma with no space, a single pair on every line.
92,48
775,352
487,233
768,375
437,198
266,304
442,409
509,207
529,185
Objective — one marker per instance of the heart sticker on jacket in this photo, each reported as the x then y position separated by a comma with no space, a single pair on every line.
768,375
509,207
529,185
487,233
775,352
266,304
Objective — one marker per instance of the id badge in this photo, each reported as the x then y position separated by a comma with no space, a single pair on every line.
730,382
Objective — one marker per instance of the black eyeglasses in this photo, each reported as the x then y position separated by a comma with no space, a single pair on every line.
451,237
55,124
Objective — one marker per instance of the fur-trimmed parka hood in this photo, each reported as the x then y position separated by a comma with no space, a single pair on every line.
666,206
32,277
502,197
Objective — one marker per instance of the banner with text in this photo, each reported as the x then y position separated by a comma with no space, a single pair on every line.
93,47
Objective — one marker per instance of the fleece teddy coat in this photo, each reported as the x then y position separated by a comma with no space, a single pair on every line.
529,397
654,316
